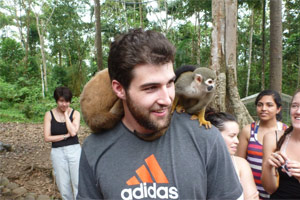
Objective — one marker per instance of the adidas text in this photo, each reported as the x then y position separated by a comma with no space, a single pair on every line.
149,192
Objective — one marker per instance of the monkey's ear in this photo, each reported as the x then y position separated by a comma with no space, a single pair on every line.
198,78
118,89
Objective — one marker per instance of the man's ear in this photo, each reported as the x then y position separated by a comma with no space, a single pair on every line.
118,89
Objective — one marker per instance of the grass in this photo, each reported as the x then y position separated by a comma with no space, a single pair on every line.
16,114
12,115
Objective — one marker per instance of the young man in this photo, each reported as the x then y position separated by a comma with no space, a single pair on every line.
152,153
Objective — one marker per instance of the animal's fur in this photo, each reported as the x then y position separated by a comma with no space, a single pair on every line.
100,107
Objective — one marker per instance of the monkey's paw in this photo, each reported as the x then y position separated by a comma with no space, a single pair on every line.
180,109
207,124
203,122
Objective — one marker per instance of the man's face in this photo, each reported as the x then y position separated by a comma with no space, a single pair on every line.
149,98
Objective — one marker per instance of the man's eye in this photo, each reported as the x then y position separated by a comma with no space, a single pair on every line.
170,84
150,88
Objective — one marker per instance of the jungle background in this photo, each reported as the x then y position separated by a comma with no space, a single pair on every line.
49,43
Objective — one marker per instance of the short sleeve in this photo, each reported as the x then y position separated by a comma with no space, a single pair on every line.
87,186
223,182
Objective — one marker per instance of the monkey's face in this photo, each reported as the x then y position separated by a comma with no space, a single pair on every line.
149,97
206,84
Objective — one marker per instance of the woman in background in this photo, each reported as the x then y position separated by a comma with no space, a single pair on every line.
61,125
268,107
229,128
281,161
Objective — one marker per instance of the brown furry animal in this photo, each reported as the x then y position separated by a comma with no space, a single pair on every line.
100,107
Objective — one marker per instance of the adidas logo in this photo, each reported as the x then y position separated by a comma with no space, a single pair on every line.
147,183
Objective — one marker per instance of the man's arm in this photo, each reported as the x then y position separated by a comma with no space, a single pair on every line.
87,186
222,180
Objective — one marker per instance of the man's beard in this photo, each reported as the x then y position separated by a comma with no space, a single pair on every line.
144,118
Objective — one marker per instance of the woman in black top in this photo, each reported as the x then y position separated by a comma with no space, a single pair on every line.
281,158
61,125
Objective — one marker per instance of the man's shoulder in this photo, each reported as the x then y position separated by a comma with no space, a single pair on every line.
184,125
97,141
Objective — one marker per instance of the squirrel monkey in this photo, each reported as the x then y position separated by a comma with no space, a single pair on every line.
100,107
194,89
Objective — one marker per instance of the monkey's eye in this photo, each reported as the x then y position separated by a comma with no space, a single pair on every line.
209,81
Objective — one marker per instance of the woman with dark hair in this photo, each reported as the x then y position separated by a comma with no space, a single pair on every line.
229,128
268,108
61,125
281,161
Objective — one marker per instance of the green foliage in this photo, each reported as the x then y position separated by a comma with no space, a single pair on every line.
4,20
11,54
70,38
7,91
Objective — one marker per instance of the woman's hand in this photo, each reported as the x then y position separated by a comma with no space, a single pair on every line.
67,112
294,168
277,159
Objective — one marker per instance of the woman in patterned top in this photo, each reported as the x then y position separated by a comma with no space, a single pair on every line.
281,159
268,108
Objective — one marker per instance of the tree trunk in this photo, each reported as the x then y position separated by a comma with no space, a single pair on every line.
27,8
223,60
194,44
27,36
42,80
98,40
141,13
263,46
18,23
41,29
250,51
41,37
126,20
218,54
199,40
275,45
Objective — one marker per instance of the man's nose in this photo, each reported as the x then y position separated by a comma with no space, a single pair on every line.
164,97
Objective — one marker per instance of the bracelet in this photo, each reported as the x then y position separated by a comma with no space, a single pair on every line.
65,137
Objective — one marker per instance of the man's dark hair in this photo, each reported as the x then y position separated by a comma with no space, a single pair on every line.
137,47
63,92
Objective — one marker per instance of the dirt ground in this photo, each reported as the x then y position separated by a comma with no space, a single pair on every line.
29,164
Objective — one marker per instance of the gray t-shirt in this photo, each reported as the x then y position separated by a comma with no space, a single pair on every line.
188,162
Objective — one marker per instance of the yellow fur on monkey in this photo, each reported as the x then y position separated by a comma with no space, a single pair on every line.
100,107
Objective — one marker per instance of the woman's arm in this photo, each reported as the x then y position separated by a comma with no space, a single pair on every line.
73,126
246,178
47,130
243,142
271,161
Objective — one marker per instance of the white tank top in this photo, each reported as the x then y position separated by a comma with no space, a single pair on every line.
237,172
